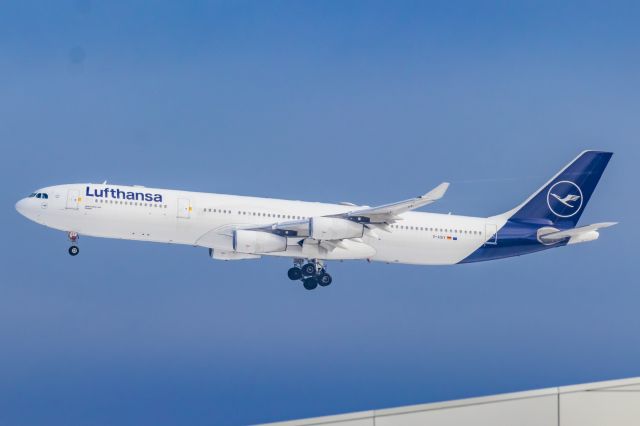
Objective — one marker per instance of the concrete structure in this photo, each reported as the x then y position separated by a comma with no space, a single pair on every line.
611,403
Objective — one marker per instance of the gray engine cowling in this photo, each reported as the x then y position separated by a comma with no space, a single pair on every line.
331,228
245,241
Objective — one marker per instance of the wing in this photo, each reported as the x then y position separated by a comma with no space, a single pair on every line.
376,215
340,234
389,212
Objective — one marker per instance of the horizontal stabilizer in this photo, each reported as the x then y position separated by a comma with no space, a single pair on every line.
574,232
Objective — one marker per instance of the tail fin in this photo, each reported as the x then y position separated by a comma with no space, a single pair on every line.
561,201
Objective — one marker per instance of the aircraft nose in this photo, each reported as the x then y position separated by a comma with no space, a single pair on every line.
21,206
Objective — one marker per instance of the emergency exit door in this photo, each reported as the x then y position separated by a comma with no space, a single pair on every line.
184,208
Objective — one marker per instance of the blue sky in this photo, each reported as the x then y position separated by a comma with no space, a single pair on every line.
368,102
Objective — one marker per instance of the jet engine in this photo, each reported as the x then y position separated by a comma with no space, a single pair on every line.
245,241
331,228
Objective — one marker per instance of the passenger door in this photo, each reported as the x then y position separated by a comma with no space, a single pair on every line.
491,233
184,208
72,199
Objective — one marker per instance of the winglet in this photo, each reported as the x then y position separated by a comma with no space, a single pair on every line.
437,192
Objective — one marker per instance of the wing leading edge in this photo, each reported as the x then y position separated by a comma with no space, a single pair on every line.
389,212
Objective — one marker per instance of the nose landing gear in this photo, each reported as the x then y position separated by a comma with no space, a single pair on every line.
311,274
73,237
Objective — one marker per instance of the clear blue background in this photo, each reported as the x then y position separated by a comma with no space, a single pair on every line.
361,101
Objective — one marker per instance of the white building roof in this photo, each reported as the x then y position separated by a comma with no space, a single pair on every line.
611,403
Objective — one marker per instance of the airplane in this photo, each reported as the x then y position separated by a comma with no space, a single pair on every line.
235,227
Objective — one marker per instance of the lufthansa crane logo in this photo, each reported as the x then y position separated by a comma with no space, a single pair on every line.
564,198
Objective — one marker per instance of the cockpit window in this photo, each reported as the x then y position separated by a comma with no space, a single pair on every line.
45,195
38,195
33,194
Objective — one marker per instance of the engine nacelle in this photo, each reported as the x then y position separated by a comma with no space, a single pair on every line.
330,228
245,241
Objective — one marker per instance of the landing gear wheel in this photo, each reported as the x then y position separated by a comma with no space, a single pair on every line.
74,250
310,283
294,273
324,280
309,269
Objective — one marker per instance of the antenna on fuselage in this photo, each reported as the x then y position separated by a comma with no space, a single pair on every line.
104,183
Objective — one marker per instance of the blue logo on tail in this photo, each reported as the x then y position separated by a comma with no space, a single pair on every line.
564,198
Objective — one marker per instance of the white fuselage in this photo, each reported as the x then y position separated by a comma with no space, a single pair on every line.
202,219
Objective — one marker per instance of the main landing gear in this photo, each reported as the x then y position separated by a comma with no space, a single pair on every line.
312,274
73,237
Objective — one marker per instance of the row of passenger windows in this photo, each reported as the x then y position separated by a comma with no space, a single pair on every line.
246,213
39,195
130,203
293,217
443,230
